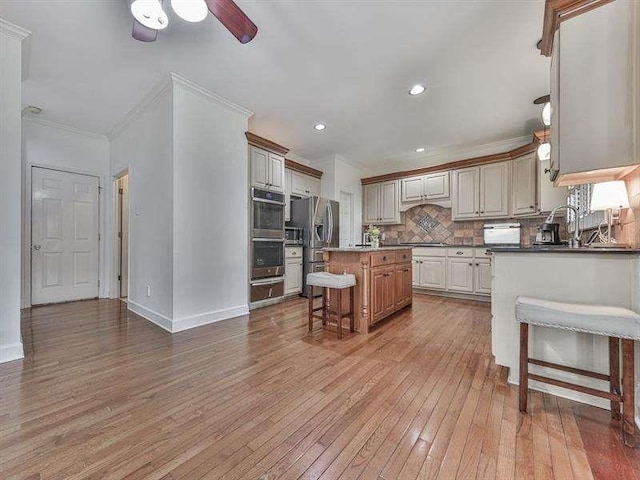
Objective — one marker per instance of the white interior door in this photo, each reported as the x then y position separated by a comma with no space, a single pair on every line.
64,236
124,235
346,220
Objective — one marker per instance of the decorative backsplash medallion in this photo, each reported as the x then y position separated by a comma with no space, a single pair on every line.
427,223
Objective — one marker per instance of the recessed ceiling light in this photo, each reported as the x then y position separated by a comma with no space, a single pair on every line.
420,149
320,127
417,89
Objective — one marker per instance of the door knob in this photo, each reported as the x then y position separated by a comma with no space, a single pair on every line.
37,247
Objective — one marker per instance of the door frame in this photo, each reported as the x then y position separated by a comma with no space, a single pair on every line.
27,209
115,240
352,219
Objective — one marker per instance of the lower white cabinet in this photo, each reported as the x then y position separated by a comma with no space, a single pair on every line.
483,276
453,269
293,270
460,274
430,272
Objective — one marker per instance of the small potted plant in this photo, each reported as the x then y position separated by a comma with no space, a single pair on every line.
374,235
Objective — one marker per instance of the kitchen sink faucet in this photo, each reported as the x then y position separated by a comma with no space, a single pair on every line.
575,241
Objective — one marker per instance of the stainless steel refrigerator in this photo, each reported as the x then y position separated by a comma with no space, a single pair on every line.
320,220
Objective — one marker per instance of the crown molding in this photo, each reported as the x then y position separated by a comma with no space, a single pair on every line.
203,92
516,150
67,128
556,12
161,88
265,143
301,168
8,28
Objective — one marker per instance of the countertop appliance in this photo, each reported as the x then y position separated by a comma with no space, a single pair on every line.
293,236
319,218
549,231
267,245
501,234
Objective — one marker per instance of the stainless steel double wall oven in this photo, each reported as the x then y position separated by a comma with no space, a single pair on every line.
267,244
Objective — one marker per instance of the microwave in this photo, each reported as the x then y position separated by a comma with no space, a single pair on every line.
293,236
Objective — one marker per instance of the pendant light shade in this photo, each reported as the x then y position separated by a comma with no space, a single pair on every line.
150,14
190,10
546,114
544,151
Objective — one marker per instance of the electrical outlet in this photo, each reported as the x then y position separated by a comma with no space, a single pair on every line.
148,290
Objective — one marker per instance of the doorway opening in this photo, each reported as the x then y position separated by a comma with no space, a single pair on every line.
122,225
64,253
346,220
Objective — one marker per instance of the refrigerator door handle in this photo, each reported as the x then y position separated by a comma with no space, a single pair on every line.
330,219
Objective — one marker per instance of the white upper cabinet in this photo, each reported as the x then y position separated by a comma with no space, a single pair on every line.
304,185
267,169
481,192
594,89
523,185
382,203
494,189
433,186
465,197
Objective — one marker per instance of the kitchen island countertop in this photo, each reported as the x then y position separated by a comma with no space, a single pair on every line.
368,249
565,249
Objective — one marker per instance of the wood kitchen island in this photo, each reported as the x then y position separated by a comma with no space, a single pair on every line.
384,280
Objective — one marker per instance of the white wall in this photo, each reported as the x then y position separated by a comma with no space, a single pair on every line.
341,175
211,208
51,145
143,143
11,39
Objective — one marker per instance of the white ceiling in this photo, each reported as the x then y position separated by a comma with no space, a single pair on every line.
347,64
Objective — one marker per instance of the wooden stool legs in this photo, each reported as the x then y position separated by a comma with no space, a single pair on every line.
524,366
614,375
626,397
326,309
628,394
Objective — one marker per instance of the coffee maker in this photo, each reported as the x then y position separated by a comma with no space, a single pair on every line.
548,234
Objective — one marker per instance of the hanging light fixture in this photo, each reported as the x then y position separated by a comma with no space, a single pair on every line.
190,10
546,114
150,14
544,151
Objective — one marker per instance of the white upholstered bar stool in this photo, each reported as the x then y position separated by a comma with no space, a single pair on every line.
337,283
619,324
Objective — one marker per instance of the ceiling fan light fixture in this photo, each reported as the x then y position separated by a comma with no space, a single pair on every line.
546,114
320,127
544,151
419,149
190,10
150,14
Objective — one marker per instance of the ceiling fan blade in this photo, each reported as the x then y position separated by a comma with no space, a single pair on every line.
233,19
142,33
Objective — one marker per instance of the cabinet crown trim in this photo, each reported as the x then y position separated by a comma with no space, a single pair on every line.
469,162
257,141
299,167
556,12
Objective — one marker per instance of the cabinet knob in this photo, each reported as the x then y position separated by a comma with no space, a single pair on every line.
459,253
531,206
384,258
471,264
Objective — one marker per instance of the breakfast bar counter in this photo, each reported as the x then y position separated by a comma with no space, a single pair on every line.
383,280
581,276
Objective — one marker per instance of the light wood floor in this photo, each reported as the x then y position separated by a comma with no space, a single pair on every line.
103,393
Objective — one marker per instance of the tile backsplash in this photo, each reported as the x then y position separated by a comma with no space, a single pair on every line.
432,223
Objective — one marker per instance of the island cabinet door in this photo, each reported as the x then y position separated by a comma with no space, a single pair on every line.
460,274
382,292
403,284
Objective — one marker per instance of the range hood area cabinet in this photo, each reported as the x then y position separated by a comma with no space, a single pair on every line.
381,203
481,192
595,91
433,186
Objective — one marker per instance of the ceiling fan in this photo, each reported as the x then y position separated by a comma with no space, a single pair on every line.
149,17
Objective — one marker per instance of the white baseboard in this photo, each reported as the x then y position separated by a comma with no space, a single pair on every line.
193,321
151,315
9,353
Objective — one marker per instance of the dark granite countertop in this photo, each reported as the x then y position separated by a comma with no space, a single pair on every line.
444,245
565,249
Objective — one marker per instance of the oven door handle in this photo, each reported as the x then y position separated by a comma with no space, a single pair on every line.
272,202
274,240
269,281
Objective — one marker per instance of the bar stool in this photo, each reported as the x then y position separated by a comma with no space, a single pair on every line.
619,324
338,283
